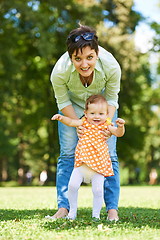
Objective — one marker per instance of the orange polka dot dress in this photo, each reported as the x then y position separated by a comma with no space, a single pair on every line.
92,149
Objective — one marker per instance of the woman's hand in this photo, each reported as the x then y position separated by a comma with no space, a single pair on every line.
107,134
80,131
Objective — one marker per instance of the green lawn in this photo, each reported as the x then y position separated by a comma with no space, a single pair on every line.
22,211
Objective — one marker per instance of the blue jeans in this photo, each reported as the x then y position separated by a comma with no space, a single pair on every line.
68,141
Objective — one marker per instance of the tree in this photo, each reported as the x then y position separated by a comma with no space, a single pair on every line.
32,37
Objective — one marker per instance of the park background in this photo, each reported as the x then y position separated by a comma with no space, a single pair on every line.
32,38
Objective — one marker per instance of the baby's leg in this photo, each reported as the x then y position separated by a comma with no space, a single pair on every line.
74,184
97,189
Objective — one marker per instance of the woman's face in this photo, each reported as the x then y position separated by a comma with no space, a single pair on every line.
85,61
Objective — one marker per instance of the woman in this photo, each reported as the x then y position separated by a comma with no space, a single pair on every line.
85,69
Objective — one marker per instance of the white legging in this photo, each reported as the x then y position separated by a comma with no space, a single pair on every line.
83,174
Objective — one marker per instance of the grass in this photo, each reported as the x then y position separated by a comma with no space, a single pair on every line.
22,212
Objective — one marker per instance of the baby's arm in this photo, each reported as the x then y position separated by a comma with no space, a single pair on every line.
67,121
118,131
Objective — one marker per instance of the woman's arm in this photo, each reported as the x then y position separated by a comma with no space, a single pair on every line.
59,78
111,111
68,111
112,72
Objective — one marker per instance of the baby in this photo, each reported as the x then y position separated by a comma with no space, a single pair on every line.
92,160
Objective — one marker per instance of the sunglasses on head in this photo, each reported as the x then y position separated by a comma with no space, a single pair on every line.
86,36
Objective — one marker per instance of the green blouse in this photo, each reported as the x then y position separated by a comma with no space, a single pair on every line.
69,90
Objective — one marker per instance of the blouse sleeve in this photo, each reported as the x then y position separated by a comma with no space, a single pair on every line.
112,72
59,77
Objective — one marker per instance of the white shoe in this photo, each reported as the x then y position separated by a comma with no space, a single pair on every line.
95,219
112,215
70,218
113,219
50,217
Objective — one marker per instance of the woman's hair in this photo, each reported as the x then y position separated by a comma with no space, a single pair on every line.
95,99
73,45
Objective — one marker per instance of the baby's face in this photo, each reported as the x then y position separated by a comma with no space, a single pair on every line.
96,113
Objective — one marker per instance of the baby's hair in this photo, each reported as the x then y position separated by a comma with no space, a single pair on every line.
95,99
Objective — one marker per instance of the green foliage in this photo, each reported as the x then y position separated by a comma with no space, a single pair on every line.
32,38
137,93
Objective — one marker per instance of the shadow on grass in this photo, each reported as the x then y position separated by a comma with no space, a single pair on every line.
16,214
129,217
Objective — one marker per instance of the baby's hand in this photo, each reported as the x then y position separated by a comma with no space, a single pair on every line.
120,122
57,117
